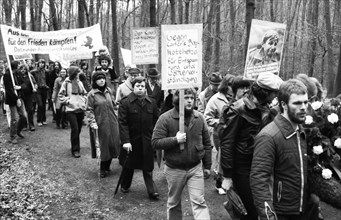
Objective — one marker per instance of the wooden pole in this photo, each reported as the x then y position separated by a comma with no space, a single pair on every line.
182,115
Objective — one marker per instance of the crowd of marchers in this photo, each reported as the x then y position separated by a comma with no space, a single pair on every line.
255,126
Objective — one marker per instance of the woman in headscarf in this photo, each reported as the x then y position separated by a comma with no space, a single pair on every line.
101,116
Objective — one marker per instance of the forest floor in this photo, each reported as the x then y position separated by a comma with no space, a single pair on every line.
40,180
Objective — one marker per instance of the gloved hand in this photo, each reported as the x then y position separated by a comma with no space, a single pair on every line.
207,173
227,183
127,147
181,137
94,126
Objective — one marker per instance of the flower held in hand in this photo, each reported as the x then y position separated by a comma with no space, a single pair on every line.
308,120
316,105
333,118
318,150
337,143
327,174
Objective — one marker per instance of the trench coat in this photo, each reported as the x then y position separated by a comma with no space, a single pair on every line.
136,122
100,110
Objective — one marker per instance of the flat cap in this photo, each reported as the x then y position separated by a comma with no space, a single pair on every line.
269,81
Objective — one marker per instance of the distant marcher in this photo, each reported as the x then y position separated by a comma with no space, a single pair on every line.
16,105
126,88
102,117
212,89
279,168
212,114
41,76
244,119
73,95
153,87
138,114
187,166
168,103
26,80
104,61
60,107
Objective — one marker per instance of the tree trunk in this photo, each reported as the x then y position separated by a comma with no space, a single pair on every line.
98,7
217,37
152,13
180,11
186,12
209,39
53,15
22,6
172,8
272,17
7,4
330,77
81,23
250,13
337,87
294,54
232,30
314,23
115,45
33,23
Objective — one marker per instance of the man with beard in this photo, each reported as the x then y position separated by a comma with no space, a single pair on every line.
279,167
111,76
184,167
244,119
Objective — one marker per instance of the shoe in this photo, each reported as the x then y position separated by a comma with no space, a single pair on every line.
32,129
125,190
102,173
76,154
39,124
44,123
14,141
221,191
154,196
20,135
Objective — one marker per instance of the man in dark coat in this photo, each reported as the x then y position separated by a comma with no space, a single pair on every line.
279,168
153,88
16,105
137,115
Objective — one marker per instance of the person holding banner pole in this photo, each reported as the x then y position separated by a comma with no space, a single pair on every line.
13,99
28,87
42,78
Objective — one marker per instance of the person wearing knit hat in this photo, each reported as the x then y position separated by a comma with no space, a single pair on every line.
73,95
243,120
102,117
126,88
204,96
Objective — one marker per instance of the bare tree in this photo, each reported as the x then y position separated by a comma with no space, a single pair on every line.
337,87
172,9
250,14
7,4
180,11
53,15
187,11
217,36
115,44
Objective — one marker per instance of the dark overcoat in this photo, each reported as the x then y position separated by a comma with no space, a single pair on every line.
136,122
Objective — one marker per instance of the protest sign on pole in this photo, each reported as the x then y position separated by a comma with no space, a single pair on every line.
145,45
181,56
265,48
181,61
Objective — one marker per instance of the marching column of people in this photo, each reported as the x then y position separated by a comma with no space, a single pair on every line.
234,115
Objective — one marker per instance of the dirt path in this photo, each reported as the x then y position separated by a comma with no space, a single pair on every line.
62,187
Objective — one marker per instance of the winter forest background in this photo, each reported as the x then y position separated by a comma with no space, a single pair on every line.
312,44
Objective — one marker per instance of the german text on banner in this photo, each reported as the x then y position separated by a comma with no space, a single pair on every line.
145,45
73,41
265,48
181,56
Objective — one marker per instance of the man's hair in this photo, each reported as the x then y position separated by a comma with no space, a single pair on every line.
188,91
138,79
292,86
14,65
225,83
271,34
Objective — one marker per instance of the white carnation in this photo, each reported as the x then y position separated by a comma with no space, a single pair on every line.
318,150
327,174
308,120
316,105
333,118
337,143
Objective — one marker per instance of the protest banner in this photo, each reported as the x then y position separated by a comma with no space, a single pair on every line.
74,42
145,45
181,47
181,56
127,59
265,48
